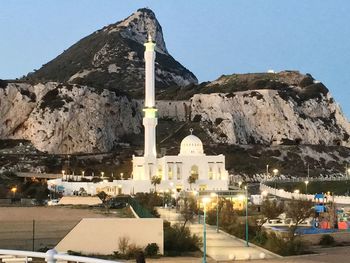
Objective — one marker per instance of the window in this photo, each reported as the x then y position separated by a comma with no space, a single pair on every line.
178,173
210,174
170,173
194,171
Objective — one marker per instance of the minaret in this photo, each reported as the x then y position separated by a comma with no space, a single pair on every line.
150,112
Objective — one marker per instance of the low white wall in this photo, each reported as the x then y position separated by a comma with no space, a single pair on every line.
101,235
288,195
80,200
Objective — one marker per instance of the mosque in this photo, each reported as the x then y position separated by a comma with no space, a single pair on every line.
207,172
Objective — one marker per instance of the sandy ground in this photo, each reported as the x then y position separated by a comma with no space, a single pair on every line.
51,225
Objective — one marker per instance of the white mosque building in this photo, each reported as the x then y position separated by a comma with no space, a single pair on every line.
208,171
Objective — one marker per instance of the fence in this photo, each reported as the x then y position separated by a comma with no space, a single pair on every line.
139,209
51,256
35,235
289,195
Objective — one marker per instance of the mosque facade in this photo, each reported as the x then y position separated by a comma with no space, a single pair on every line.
190,170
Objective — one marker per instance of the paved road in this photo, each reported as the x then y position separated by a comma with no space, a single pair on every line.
221,246
329,255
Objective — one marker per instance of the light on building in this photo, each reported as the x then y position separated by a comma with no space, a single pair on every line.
297,191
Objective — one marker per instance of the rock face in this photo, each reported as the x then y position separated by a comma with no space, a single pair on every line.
60,118
112,58
293,110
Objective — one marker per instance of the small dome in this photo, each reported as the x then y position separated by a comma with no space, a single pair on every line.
191,145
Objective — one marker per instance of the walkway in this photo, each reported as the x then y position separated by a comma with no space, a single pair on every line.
220,246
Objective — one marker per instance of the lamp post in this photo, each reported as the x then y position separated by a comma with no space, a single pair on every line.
205,201
83,173
14,190
217,210
306,183
239,184
275,172
246,216
102,174
267,171
63,171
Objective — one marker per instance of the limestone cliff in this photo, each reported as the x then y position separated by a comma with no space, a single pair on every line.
285,109
60,118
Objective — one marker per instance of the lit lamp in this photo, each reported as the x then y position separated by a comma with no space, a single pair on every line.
14,190
121,176
83,173
205,201
102,174
348,170
217,210
63,172
275,172
306,183
239,184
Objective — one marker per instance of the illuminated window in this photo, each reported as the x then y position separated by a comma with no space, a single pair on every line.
194,171
210,173
170,173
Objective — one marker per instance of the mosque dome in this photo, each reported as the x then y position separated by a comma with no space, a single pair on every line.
191,145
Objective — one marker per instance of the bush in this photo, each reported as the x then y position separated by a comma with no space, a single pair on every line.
327,240
285,247
179,240
152,249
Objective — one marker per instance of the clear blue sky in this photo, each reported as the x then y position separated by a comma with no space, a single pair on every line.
208,37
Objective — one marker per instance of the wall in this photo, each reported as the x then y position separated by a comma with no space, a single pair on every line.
80,200
289,195
314,239
178,110
101,235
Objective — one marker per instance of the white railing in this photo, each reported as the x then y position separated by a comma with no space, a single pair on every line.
51,256
338,199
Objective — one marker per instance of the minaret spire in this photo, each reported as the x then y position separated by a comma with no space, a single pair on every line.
150,117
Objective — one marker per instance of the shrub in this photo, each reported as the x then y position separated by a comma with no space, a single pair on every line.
178,239
285,247
123,244
152,249
327,240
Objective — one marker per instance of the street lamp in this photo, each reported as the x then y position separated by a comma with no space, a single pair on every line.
83,173
205,201
63,171
14,190
306,183
275,172
102,174
267,171
239,184
246,216
217,210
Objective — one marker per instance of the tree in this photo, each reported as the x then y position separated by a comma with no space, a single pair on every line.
270,210
298,210
191,180
103,196
188,209
155,180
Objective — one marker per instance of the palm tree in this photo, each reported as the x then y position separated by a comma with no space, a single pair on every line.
191,180
155,180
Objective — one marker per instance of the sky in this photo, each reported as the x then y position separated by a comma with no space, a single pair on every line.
210,38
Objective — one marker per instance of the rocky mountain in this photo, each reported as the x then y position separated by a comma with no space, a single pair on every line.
89,100
60,118
112,58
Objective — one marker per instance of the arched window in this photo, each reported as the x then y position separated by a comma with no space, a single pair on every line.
194,171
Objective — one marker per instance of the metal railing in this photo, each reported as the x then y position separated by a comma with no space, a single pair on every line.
51,256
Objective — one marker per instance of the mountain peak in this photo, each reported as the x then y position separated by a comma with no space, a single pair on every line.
112,58
138,25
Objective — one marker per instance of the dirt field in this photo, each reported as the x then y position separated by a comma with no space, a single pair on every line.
51,225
